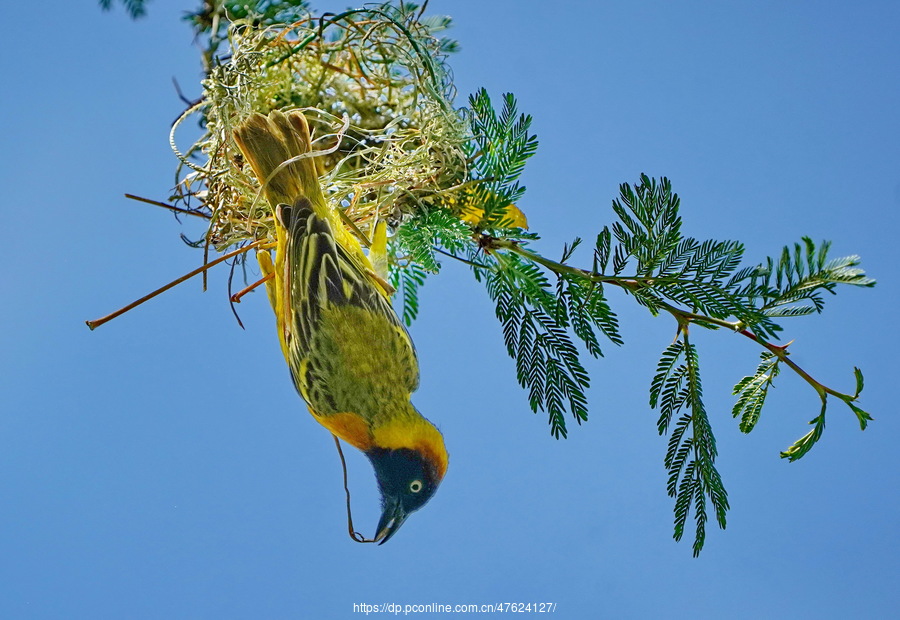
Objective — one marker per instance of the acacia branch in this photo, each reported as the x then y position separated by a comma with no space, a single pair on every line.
684,317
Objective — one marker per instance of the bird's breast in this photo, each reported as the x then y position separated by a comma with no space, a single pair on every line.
357,362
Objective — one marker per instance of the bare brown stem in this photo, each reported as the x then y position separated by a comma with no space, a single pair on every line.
109,317
236,298
167,206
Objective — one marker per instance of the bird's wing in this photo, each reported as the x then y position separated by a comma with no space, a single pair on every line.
320,273
278,148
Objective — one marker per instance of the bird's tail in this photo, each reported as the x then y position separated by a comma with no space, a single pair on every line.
278,148
267,143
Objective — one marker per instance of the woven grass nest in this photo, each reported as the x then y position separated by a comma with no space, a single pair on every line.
375,89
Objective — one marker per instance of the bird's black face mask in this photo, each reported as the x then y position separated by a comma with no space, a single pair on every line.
406,480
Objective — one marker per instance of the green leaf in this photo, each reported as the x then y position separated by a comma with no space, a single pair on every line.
690,458
664,370
536,337
500,147
135,8
568,250
800,276
601,251
863,417
805,443
859,381
407,281
752,391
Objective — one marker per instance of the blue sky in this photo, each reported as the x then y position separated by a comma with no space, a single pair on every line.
163,466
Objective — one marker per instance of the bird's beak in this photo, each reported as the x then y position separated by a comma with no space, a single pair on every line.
392,517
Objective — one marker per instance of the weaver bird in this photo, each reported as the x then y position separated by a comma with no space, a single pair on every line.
350,357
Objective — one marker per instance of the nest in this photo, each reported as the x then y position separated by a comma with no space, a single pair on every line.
379,99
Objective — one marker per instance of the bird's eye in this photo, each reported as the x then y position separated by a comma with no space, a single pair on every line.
415,486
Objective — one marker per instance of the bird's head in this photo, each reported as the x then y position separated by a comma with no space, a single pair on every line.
409,466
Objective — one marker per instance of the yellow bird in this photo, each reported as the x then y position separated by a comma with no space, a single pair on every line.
350,357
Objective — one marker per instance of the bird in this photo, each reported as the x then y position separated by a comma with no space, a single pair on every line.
350,357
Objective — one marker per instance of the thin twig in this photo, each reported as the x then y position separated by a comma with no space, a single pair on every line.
230,301
168,206
352,531
459,258
236,298
109,317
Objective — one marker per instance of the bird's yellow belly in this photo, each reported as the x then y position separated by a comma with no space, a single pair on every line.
358,369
